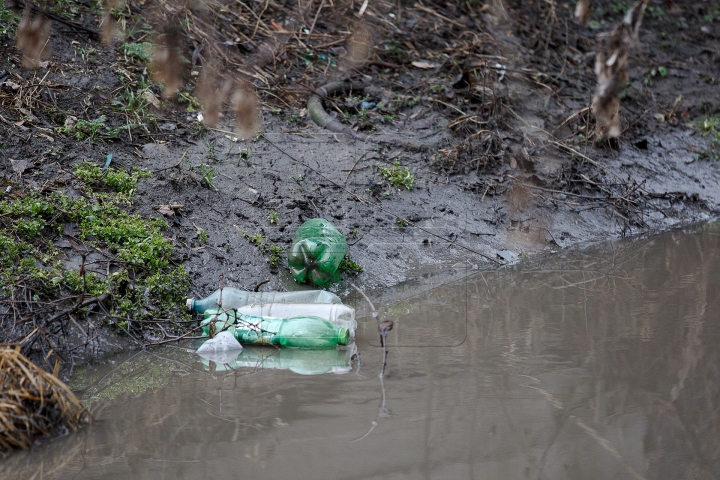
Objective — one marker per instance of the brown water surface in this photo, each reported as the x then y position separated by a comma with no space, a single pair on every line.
601,365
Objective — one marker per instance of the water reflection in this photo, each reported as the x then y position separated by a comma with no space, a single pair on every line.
604,364
300,361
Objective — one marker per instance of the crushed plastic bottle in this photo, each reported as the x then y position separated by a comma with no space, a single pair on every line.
305,331
316,252
236,298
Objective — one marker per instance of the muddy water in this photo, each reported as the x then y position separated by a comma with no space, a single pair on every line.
601,365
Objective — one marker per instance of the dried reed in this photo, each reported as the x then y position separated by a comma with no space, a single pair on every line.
32,37
611,68
34,404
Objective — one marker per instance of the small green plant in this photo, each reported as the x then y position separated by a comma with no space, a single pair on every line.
656,71
137,51
655,11
202,236
93,129
134,104
86,52
193,104
244,156
349,266
401,222
354,232
211,150
8,21
398,176
710,126
85,128
275,253
65,8
207,174
113,178
273,217
198,129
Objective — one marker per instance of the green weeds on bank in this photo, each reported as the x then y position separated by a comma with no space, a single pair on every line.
398,176
710,126
8,22
349,266
135,266
274,252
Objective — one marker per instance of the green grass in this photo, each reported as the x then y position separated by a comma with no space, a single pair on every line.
94,129
274,252
132,103
8,22
141,51
398,176
349,266
143,276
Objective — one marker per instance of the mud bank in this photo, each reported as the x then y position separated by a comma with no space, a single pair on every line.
506,165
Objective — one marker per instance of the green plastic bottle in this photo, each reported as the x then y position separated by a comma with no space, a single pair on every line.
235,298
305,332
316,252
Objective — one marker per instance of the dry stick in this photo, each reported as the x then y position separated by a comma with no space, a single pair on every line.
383,328
312,27
379,207
72,310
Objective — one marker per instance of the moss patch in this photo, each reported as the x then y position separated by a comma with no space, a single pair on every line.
56,248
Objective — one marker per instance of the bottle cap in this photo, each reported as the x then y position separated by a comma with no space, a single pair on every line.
342,336
189,304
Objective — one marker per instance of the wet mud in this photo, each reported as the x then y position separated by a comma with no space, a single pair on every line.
501,175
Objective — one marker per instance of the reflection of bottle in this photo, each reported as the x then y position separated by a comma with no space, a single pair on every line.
305,331
337,314
303,362
235,298
316,253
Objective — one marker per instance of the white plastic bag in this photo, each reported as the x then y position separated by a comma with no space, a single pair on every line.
223,348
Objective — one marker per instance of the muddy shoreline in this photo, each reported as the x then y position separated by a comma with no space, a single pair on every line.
508,178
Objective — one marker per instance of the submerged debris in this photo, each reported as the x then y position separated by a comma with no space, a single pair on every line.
34,404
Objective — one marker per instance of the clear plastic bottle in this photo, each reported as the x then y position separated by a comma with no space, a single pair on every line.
339,315
305,331
236,298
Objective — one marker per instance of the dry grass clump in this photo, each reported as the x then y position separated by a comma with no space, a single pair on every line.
32,37
34,404
247,121
359,48
167,64
611,68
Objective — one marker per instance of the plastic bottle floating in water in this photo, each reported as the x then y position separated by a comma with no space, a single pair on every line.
337,314
235,298
304,332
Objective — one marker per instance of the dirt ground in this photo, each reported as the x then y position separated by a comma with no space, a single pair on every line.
486,103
